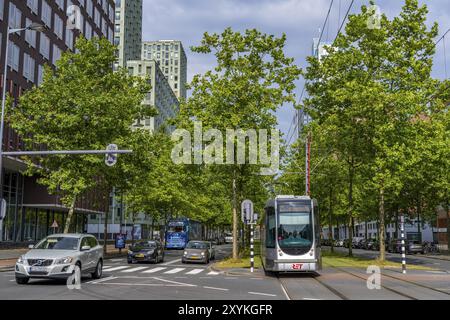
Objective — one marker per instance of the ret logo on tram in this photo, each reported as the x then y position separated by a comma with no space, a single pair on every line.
290,235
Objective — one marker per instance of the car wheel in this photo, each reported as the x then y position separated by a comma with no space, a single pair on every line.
98,270
22,280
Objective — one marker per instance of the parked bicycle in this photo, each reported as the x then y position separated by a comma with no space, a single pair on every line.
430,247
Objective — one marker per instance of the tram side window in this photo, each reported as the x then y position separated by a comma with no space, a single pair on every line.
270,230
317,224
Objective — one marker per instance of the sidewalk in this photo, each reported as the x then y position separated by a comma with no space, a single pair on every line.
8,257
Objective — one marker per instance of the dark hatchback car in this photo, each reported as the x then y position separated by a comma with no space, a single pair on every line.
411,246
146,251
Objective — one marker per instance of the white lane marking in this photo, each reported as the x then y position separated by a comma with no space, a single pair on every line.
285,292
154,270
172,271
170,262
134,269
439,272
214,288
310,299
213,273
116,268
113,260
230,278
12,280
175,282
195,271
101,280
263,294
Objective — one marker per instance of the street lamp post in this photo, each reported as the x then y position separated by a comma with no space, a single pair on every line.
35,27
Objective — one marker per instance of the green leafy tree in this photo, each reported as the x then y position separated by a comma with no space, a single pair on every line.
253,77
81,105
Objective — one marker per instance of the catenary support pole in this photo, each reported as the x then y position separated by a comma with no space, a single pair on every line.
252,252
402,231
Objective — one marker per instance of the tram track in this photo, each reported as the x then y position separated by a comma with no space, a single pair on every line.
388,288
314,278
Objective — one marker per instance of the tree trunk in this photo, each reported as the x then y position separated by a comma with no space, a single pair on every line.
419,211
381,229
448,226
235,223
396,223
351,173
330,222
69,215
105,233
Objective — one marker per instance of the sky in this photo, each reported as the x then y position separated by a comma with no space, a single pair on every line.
300,20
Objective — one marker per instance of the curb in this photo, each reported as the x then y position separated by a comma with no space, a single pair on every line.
225,272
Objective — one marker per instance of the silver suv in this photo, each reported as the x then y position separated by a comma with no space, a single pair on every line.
56,256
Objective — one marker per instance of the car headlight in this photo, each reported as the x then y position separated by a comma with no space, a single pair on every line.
150,252
21,260
185,253
203,253
65,260
130,252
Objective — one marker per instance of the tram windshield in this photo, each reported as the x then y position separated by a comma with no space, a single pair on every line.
294,225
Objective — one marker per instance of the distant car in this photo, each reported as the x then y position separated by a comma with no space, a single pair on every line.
228,238
198,251
355,242
339,243
414,246
370,244
146,251
57,256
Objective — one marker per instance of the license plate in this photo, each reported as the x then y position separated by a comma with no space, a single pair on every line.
140,255
38,269
195,257
297,266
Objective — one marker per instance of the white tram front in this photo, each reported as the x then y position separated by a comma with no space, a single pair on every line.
290,235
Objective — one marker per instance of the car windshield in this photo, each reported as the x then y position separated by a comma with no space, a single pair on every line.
58,243
196,245
146,244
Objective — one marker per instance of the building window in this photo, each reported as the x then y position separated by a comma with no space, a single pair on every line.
88,33
69,38
32,4
15,16
46,13
13,56
149,70
130,71
59,29
45,46
30,35
118,3
89,8
97,18
60,4
28,67
56,53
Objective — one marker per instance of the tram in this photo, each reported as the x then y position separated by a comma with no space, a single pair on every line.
290,235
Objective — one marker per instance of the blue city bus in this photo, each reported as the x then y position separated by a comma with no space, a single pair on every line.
180,231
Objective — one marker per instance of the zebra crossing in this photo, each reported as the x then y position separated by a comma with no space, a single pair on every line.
161,270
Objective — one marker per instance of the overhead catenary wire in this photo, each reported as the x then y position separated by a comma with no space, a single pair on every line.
320,38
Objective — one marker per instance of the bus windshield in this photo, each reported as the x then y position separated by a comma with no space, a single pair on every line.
294,225
176,227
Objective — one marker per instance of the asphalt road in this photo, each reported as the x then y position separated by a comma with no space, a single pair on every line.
168,280
172,280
